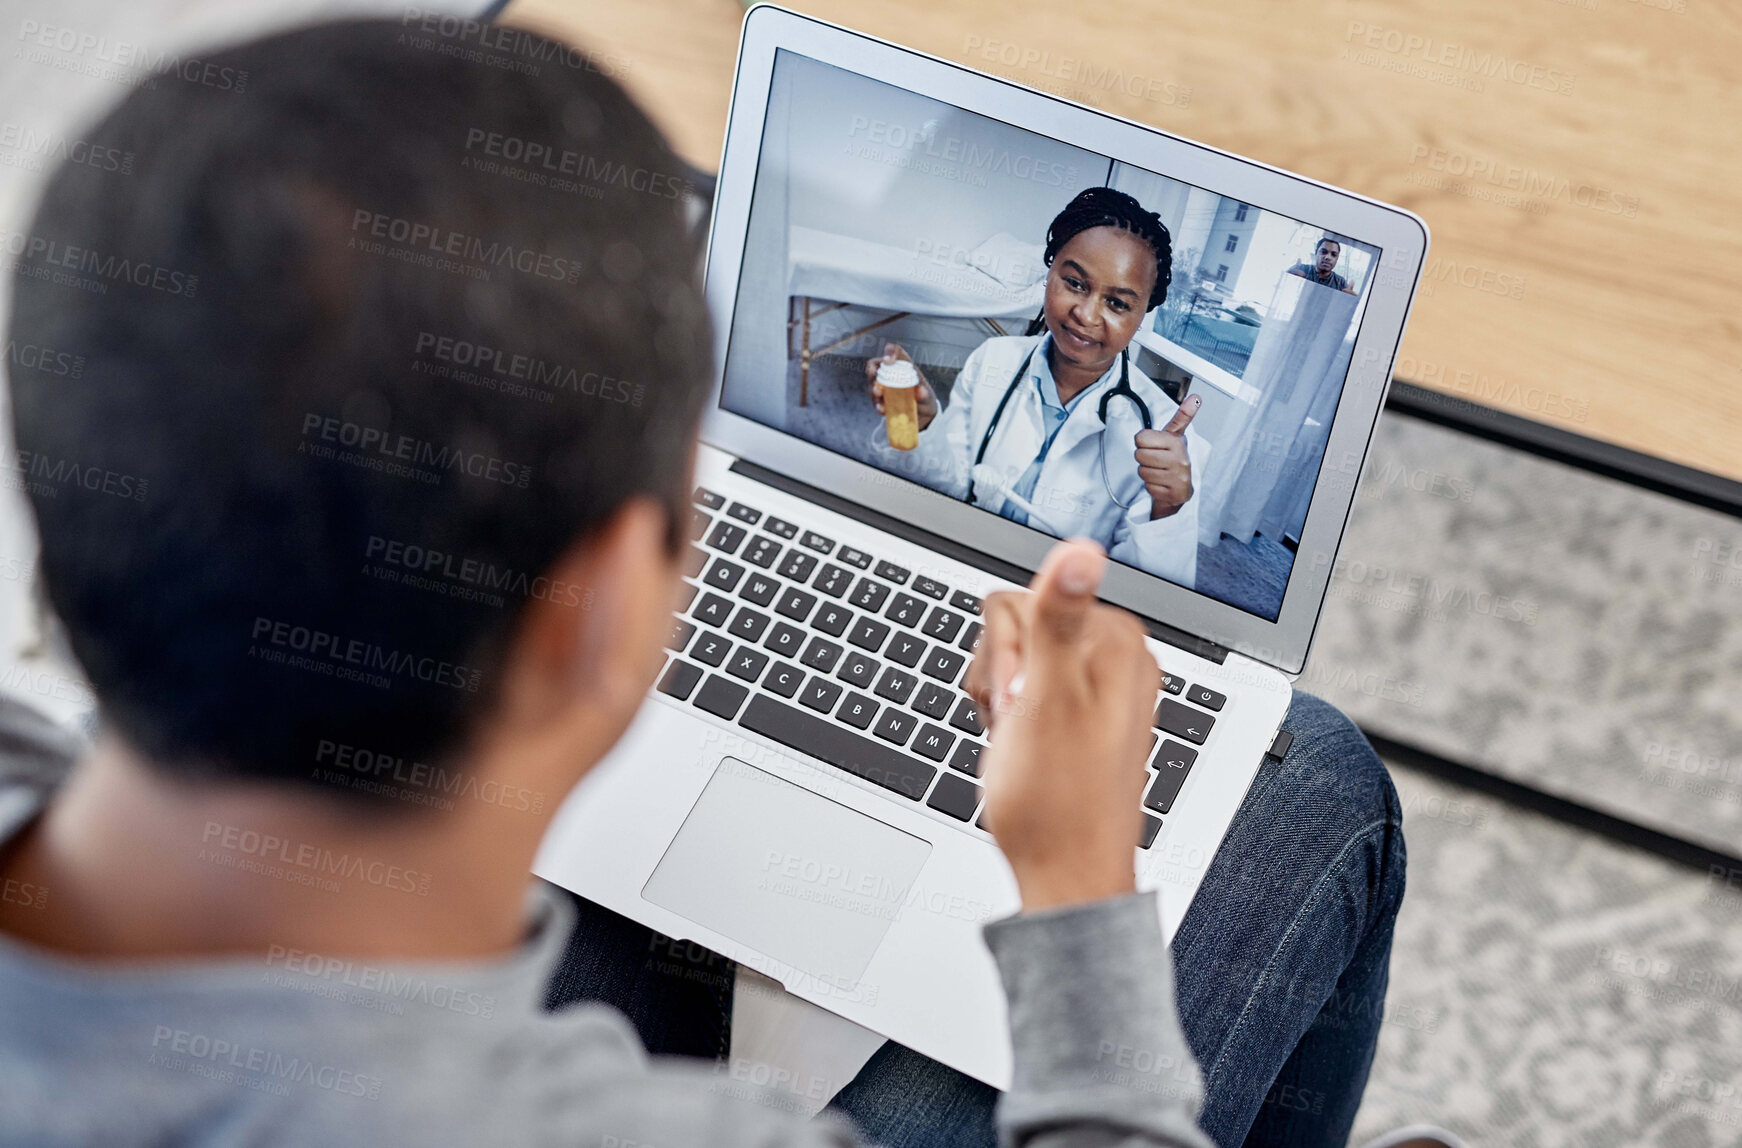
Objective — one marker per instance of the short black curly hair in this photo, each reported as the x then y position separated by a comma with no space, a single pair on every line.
1108,207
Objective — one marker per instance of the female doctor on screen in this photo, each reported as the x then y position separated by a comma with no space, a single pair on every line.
1056,428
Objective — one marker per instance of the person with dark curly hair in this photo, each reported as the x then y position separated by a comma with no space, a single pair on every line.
1057,428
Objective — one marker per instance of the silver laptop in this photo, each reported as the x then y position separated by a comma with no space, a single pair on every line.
801,790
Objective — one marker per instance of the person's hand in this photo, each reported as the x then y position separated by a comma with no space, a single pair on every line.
1162,463
928,399
1067,687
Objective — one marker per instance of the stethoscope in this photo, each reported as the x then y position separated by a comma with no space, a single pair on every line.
1122,390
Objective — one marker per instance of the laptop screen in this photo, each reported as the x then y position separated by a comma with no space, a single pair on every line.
897,305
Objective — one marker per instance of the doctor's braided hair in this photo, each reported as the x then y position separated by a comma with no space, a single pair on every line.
1108,207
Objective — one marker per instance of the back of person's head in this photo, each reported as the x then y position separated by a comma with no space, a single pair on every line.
356,350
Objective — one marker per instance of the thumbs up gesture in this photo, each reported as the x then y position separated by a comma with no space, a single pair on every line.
1162,463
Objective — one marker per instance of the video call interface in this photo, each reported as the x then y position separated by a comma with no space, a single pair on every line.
895,306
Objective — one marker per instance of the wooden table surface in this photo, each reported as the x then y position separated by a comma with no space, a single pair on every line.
1578,161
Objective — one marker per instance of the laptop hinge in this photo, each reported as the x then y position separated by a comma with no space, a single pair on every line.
1009,571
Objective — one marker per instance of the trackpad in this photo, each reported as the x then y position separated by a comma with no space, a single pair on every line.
795,876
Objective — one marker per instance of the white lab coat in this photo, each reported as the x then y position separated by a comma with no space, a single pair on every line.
1070,495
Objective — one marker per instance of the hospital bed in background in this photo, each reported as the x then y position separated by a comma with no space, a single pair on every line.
1000,283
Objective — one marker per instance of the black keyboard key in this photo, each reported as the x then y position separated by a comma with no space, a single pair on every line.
832,619
681,633
781,528
712,610
710,648
1208,698
971,640
699,524
869,595
762,551
726,537
797,565
748,664
889,570
861,756
858,670
814,541
962,600
1173,683
931,588
744,514
821,655
685,596
1172,765
967,717
721,697
833,580
760,589
680,678
1151,827
1181,721
693,560
796,604
708,498
895,726
868,634
723,575
857,711
967,757
956,796
934,701
933,742
821,694
784,640
943,625
854,557
784,679
906,609
895,685
747,625
944,664
905,650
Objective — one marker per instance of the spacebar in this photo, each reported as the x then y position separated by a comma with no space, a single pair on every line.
859,756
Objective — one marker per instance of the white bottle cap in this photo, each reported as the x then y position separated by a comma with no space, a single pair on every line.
897,374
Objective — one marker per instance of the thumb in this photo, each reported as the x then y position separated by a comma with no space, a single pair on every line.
1183,417
1064,589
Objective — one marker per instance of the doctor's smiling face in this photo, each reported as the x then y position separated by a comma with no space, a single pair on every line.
1097,293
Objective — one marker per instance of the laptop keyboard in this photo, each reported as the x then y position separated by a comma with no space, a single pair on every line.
857,662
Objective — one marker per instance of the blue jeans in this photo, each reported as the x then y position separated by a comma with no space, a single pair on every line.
1280,966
